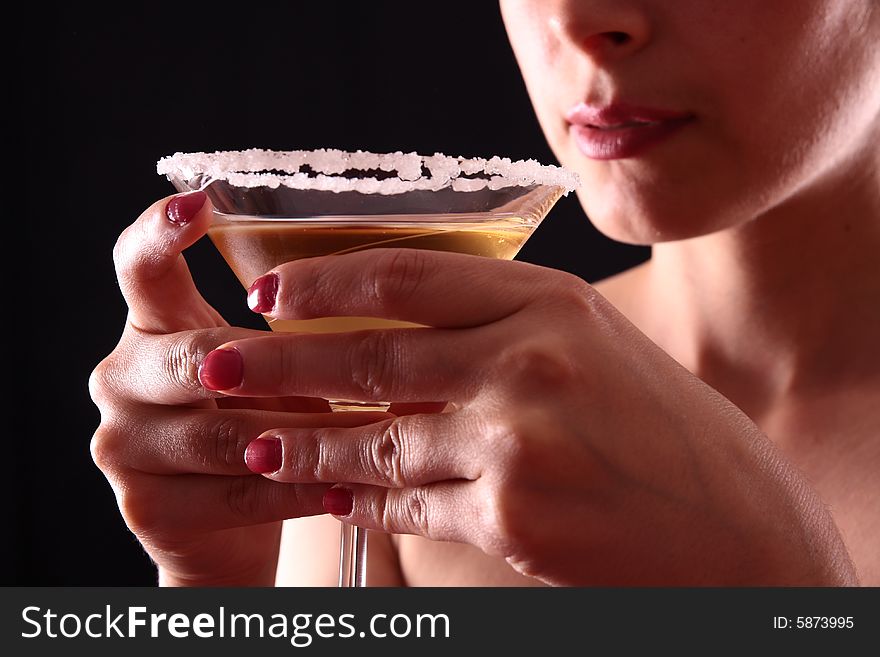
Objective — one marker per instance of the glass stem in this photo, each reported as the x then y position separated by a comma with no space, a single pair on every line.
352,556
353,540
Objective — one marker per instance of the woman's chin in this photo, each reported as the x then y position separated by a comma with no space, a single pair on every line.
625,231
645,226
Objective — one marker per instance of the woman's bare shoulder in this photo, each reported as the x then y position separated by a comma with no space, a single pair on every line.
624,290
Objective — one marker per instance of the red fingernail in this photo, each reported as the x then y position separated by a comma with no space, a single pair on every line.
338,501
263,455
181,209
222,369
261,295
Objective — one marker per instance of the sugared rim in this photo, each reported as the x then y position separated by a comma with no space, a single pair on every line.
266,168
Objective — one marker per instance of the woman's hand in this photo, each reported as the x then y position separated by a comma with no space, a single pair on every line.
572,445
174,455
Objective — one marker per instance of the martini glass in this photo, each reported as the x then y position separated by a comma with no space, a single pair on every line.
272,207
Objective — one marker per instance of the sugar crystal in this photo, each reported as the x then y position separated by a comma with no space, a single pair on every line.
256,168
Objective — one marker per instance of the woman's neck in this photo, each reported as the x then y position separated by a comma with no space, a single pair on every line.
782,305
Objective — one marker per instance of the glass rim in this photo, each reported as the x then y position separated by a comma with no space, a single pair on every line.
257,167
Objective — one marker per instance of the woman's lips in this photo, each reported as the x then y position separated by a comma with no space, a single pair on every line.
613,132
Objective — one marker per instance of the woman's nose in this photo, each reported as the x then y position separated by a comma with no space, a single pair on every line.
604,30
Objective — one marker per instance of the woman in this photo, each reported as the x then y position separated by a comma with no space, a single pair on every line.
708,417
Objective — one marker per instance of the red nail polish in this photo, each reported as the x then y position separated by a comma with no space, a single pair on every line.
338,501
263,455
181,209
262,294
222,369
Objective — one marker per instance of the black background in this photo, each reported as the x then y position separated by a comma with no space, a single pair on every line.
103,94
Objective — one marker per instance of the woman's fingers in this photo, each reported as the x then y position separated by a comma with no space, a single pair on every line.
160,369
164,369
192,504
397,452
444,290
171,441
401,365
152,273
443,511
